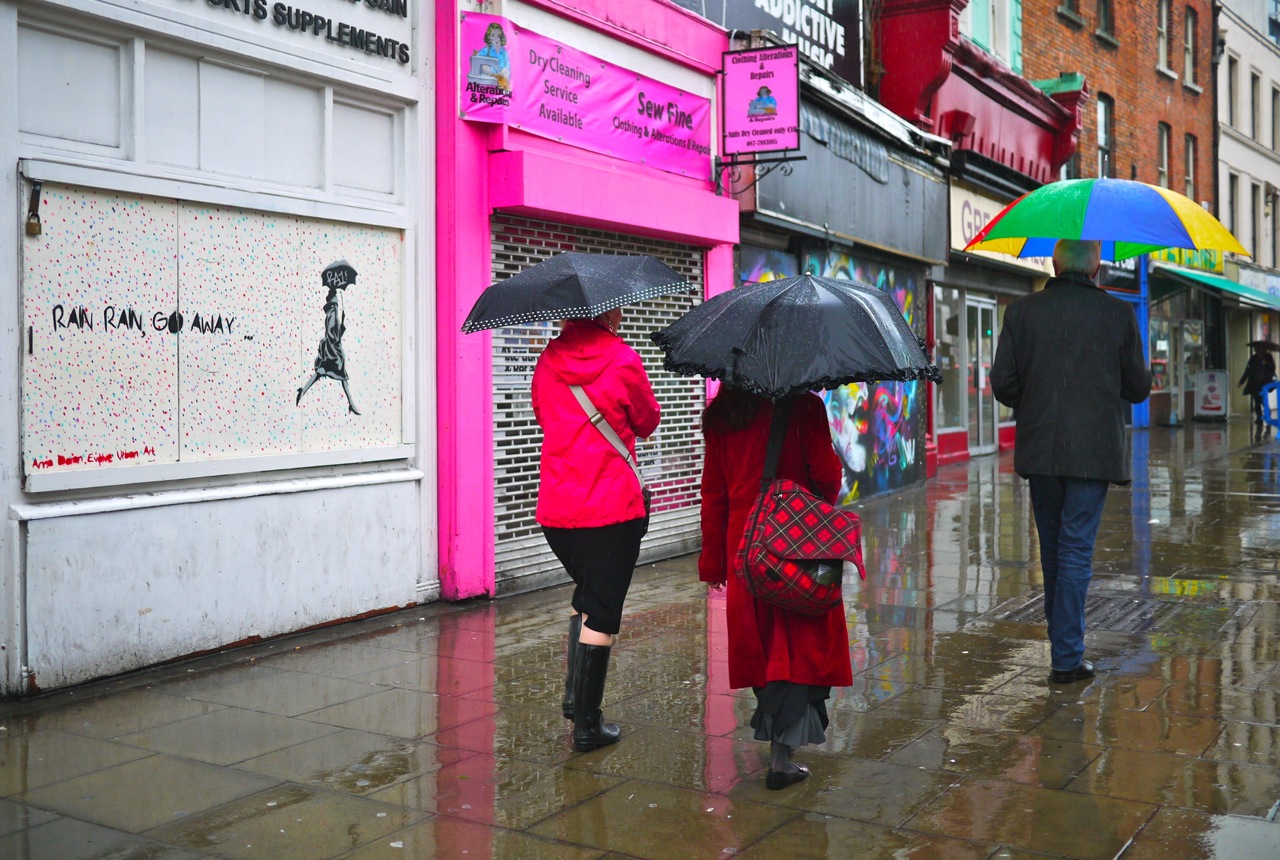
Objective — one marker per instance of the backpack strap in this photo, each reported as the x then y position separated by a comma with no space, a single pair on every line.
777,432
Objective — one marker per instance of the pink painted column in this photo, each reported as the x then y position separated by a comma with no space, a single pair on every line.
463,270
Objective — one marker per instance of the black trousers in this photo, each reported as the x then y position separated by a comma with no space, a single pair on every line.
600,561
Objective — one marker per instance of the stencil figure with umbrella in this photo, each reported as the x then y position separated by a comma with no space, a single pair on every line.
772,537
592,399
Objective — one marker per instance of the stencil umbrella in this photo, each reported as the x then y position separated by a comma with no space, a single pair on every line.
1128,217
781,337
573,285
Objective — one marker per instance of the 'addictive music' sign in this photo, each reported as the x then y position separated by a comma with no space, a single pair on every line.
527,81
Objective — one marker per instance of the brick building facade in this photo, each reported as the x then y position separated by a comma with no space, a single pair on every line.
1162,100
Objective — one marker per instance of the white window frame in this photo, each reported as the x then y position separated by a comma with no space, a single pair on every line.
1163,135
1162,35
1189,165
1190,26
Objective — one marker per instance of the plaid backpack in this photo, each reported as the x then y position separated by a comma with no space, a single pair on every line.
795,544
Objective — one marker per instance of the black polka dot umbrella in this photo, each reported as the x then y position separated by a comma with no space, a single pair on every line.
573,285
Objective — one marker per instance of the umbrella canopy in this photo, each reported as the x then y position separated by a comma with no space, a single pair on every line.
573,286
1266,344
1128,217
780,337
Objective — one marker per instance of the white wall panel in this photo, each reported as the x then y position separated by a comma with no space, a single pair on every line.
364,148
69,88
232,121
294,133
116,591
172,108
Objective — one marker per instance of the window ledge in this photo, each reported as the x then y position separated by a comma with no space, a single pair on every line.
1188,85
1167,72
1070,17
1106,38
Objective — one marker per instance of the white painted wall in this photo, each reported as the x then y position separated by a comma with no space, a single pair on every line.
108,592
185,101
1255,160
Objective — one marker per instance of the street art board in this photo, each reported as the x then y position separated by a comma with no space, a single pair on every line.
878,430
161,331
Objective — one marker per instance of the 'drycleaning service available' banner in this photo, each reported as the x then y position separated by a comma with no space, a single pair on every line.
535,84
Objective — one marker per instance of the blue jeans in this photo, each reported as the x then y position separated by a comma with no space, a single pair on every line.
1067,512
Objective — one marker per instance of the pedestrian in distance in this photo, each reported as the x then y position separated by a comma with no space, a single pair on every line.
1259,371
590,503
791,661
1069,361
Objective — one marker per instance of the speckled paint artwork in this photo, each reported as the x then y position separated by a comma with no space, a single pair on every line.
159,331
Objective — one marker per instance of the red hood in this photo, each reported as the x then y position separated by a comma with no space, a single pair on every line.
581,352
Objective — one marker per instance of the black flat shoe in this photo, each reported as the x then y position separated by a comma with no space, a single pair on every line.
1083,672
775,780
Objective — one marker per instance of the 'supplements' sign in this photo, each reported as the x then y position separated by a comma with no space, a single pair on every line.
532,83
761,107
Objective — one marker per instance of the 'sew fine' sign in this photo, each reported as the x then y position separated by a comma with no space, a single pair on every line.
761,106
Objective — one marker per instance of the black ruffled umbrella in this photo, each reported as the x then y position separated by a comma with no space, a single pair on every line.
781,337
573,286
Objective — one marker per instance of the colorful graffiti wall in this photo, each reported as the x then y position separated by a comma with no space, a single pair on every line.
758,265
878,430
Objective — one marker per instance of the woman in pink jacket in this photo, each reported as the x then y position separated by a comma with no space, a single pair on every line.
590,505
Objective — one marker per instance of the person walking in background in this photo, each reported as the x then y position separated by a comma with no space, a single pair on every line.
590,504
791,661
1259,371
1069,361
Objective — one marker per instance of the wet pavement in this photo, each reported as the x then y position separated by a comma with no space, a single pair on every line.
436,732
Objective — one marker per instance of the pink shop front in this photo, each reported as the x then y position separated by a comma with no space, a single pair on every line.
576,125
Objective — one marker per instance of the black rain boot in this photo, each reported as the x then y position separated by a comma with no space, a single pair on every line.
590,731
566,704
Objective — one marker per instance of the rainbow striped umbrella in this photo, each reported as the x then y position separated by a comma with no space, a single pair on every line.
1128,217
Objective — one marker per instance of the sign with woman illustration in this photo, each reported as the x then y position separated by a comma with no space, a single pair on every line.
761,105
331,361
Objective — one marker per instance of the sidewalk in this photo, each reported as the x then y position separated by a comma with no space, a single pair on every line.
436,732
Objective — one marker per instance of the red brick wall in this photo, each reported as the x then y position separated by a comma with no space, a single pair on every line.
1127,72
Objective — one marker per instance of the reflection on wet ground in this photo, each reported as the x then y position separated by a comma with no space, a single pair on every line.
436,732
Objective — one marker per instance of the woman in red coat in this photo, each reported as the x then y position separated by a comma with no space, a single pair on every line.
791,661
590,505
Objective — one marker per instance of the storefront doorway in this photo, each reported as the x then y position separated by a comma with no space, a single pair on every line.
981,323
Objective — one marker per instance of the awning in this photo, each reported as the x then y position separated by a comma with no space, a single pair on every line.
1198,280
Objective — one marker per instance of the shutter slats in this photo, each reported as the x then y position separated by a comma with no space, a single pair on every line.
671,461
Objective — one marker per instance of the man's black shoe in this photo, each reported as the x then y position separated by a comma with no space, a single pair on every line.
1083,672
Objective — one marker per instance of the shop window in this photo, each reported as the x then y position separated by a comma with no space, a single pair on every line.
1233,85
1160,352
1275,119
1233,202
1189,47
1255,106
1189,166
757,265
1255,217
948,318
71,89
1106,133
1162,35
1106,18
1163,133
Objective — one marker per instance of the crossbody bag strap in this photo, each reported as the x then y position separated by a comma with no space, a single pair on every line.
606,429
777,432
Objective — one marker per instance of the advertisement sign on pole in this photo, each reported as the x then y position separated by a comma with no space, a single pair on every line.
530,82
760,108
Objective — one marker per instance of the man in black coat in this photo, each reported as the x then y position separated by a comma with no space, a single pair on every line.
1069,361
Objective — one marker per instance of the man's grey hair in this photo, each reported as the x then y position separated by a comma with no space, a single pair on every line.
1080,257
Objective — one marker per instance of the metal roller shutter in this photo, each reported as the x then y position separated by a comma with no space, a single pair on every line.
671,461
